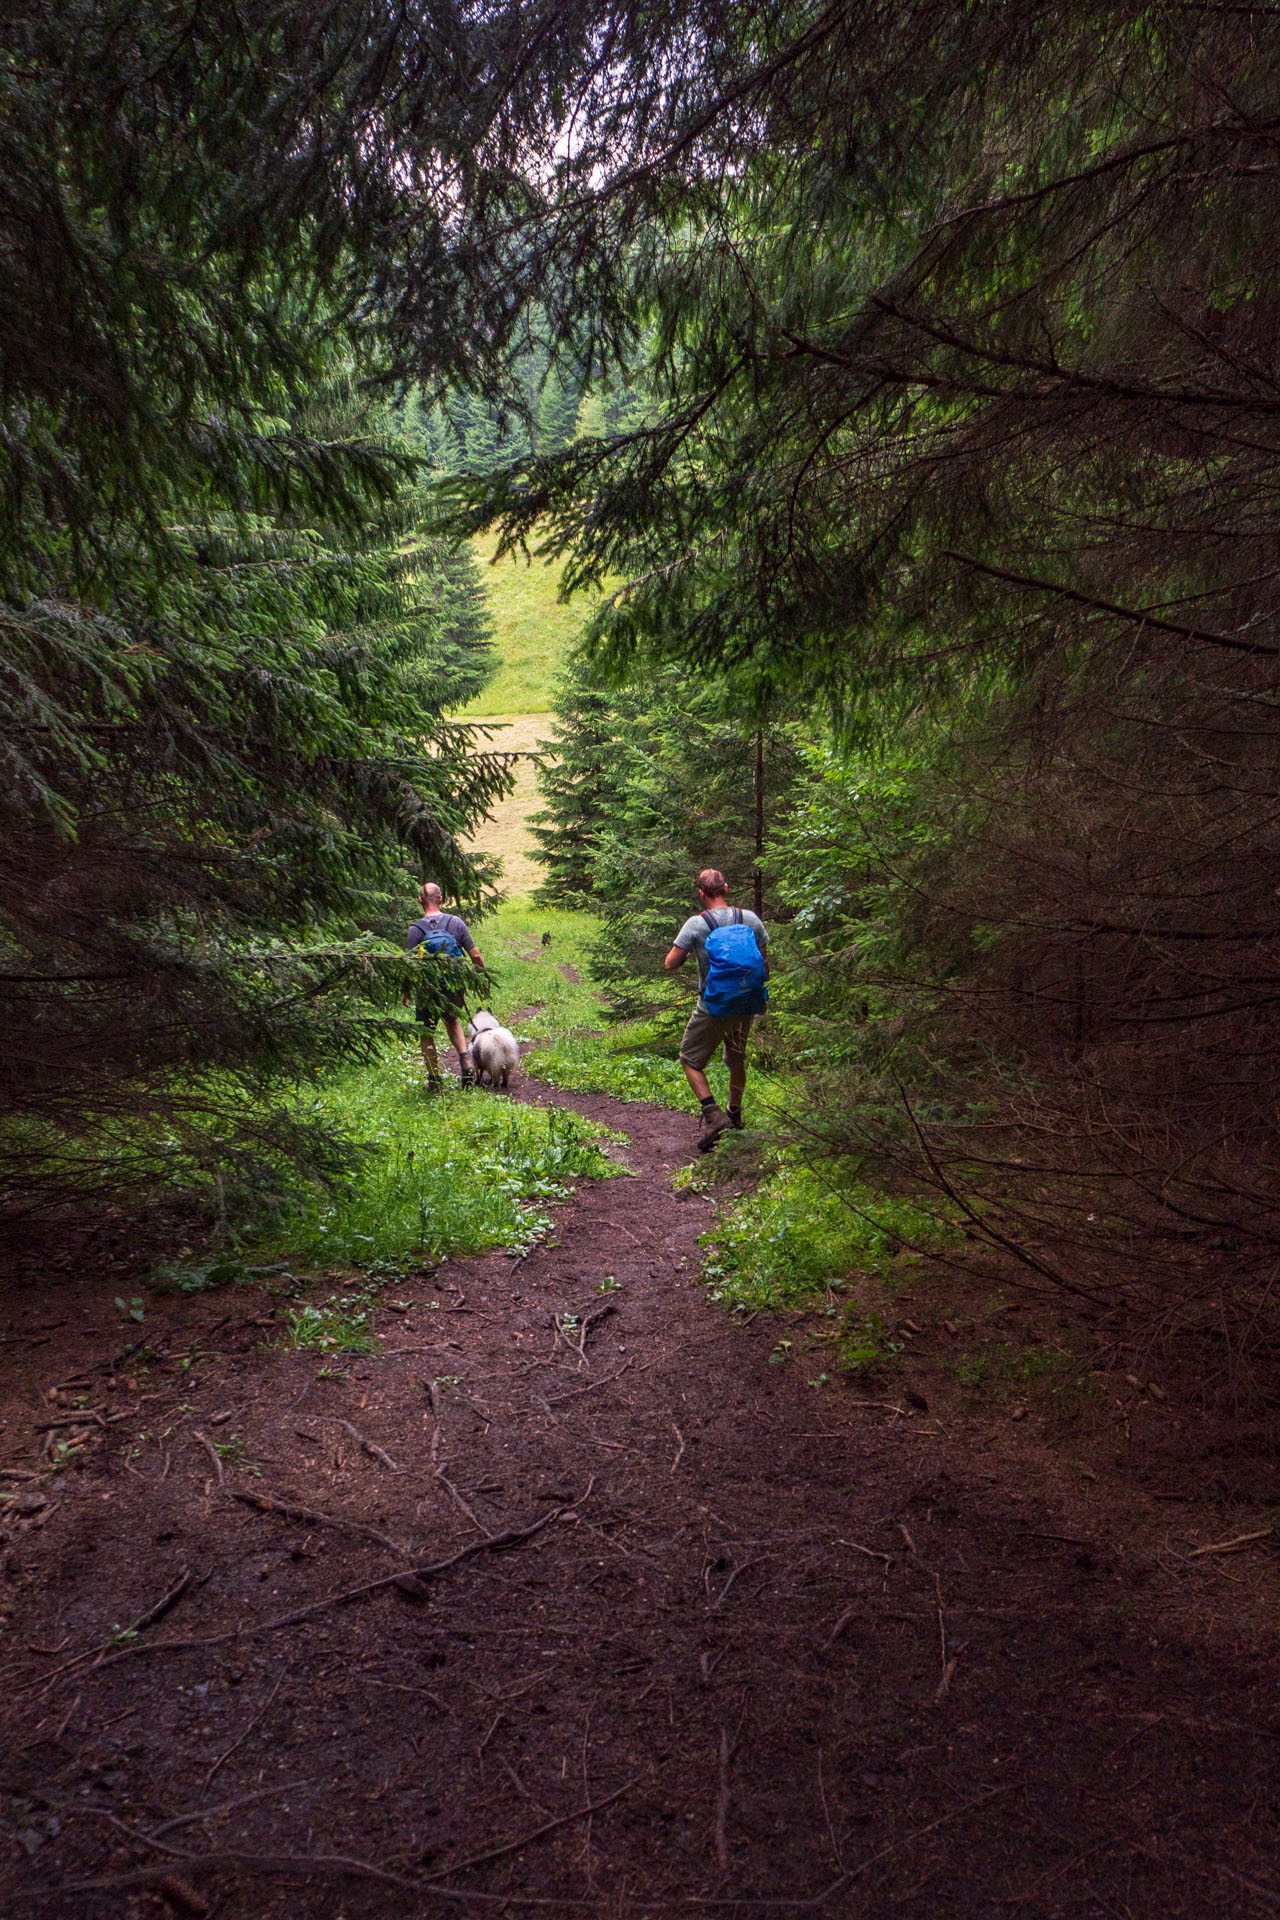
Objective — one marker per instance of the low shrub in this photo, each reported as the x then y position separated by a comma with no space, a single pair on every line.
794,1236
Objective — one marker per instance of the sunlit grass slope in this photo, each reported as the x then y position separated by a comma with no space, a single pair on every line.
506,830
533,631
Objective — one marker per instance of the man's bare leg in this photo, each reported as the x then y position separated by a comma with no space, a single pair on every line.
698,1081
454,1028
737,1081
430,1058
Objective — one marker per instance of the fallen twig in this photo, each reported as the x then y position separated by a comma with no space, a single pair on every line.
304,1865
723,1799
590,1320
312,1863
212,1452
462,1504
723,1594
560,1398
826,1814
850,1613
948,1663
163,1604
869,1551
312,1517
399,1686
144,1620
237,1744
493,1543
527,1839
1234,1545
88,1417
680,1449
375,1452
223,1806
801,1903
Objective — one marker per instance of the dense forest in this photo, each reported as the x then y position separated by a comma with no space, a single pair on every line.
552,1468
904,379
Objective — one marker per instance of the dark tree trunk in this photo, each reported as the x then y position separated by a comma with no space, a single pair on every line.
757,893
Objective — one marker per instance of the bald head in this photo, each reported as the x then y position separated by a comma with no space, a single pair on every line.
430,896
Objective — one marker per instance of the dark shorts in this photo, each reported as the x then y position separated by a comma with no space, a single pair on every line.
705,1033
446,1006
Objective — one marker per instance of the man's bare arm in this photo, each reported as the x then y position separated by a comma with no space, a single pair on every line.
477,958
676,958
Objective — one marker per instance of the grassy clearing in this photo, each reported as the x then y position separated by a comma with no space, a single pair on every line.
448,1173
533,632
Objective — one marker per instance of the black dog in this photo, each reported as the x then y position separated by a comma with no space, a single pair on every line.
546,939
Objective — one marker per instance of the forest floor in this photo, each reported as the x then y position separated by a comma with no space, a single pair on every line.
687,1633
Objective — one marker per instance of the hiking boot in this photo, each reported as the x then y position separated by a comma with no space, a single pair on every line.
435,1083
714,1122
467,1080
736,1120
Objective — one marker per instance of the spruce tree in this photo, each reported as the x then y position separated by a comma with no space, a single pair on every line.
580,784
556,413
652,782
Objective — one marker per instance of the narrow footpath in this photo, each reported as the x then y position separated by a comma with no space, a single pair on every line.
570,1599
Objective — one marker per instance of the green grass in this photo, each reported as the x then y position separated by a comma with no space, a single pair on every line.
792,1238
341,1325
533,632
454,1172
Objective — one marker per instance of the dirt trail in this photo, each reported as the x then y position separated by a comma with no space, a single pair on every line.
795,1649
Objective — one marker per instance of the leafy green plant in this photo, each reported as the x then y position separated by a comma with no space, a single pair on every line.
133,1309
864,1345
234,1452
793,1236
340,1326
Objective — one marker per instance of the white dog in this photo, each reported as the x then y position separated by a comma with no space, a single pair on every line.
493,1048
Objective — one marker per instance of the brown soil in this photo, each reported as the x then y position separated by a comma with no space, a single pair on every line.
797,1648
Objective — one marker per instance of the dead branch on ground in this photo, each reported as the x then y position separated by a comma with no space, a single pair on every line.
374,1452
313,1517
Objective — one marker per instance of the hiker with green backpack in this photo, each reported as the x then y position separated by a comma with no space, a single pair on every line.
733,965
442,936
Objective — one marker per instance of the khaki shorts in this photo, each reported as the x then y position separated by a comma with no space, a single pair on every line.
704,1034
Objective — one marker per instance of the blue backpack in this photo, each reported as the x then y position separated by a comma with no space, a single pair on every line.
437,939
735,982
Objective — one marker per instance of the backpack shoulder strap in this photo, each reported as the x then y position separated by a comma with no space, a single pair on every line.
711,924
737,916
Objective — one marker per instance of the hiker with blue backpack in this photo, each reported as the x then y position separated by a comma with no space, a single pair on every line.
733,966
442,936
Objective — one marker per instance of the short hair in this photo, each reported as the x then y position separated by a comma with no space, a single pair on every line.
431,891
711,880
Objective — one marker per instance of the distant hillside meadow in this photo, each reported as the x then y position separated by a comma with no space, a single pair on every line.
533,632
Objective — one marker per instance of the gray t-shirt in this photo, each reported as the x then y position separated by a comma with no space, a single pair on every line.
692,938
440,923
